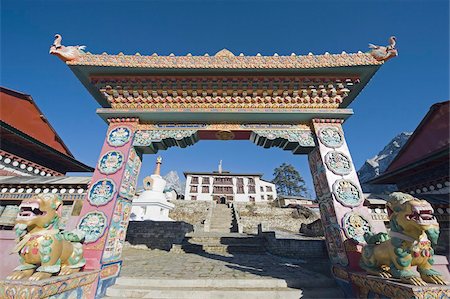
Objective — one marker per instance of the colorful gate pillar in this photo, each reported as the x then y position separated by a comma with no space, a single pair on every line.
106,210
340,196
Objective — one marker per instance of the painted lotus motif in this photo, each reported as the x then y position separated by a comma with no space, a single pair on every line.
94,225
355,226
101,192
347,193
119,136
338,163
110,162
331,137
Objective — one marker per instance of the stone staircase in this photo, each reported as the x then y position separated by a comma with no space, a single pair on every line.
263,288
221,219
220,264
220,243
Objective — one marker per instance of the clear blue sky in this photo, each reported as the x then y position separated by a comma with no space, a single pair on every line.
395,100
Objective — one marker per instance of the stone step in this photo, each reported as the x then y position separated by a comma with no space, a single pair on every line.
202,283
221,221
218,230
228,226
225,223
219,248
266,282
217,235
224,241
202,293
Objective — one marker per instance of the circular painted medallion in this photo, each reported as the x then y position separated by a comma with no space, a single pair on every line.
93,224
355,226
101,192
110,162
331,137
119,136
347,193
338,163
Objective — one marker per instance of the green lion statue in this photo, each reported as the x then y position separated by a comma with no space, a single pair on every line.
414,230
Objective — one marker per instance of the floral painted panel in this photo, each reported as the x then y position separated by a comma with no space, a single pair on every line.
93,224
336,250
101,192
119,136
355,226
347,193
117,231
110,162
130,175
338,163
331,137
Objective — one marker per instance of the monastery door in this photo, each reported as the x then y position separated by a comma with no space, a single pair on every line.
296,103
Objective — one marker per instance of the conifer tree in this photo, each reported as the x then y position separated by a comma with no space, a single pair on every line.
288,181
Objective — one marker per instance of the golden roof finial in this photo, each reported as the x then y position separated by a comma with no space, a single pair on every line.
224,53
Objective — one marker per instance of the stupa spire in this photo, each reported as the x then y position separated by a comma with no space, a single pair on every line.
220,166
158,165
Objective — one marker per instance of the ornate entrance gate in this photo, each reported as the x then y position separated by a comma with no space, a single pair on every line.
151,103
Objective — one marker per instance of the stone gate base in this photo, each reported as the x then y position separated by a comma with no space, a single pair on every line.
77,285
377,287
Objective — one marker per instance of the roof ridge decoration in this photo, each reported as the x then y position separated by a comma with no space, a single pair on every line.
224,53
224,59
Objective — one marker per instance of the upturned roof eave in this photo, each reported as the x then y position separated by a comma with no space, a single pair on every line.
29,98
389,176
71,164
84,72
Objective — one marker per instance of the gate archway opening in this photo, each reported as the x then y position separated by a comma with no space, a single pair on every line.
297,103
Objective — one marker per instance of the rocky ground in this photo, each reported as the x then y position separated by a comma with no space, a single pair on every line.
193,212
273,218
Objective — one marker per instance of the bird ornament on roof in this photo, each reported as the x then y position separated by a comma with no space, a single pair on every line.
381,53
66,53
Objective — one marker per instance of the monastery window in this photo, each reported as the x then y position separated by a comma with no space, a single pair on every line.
223,190
223,181
240,181
262,197
262,189
193,189
205,189
268,188
252,198
193,197
194,180
240,189
205,180
251,189
251,181
269,197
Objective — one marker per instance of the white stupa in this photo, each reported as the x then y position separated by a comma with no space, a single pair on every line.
152,204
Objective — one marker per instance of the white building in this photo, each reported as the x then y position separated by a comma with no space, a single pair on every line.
225,187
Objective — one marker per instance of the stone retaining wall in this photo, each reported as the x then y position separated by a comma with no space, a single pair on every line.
294,246
157,234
